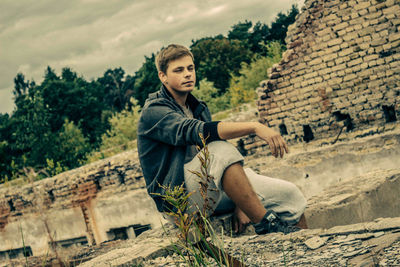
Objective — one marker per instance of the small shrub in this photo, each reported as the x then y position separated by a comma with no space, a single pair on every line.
242,87
54,168
209,94
122,134
72,147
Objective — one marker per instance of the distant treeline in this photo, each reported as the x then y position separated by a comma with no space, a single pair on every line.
58,124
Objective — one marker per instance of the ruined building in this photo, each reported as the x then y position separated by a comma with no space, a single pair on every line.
340,74
102,201
341,71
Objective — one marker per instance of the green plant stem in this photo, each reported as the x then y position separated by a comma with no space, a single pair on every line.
196,253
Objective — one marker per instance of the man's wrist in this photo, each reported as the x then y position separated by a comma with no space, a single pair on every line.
257,126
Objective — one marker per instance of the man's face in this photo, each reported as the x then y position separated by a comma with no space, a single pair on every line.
180,77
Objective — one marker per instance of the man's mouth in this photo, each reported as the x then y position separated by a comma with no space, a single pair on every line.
189,82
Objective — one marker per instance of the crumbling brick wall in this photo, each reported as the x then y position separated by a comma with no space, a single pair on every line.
72,188
341,71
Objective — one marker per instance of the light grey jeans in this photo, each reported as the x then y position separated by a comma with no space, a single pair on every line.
278,195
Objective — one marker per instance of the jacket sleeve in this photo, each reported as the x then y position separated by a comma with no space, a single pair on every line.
164,124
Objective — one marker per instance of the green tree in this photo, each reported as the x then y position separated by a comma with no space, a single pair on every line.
121,134
281,23
5,159
209,94
37,130
71,146
242,87
258,35
4,122
73,98
240,31
253,37
31,131
258,39
16,128
5,153
146,80
117,88
22,87
217,57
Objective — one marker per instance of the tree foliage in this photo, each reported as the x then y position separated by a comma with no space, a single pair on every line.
5,134
73,98
43,125
72,146
117,88
215,58
218,58
242,87
121,134
31,129
280,25
146,80
240,31
209,94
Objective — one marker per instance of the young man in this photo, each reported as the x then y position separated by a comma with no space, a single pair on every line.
168,132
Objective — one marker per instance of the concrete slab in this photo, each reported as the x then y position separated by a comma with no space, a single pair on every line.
362,199
316,166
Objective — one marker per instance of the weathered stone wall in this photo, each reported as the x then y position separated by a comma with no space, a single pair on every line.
341,71
89,205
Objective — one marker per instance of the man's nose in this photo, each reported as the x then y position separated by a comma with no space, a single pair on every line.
187,73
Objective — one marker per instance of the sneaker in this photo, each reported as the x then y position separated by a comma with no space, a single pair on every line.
271,223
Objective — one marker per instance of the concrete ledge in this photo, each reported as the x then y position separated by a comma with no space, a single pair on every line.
315,167
362,199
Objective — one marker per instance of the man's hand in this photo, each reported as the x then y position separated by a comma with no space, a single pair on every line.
275,141
230,130
240,221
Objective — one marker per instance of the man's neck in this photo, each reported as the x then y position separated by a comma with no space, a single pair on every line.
180,98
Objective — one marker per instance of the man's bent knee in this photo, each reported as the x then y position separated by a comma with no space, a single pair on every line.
222,155
224,149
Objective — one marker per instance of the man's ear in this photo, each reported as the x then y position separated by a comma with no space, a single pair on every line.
162,76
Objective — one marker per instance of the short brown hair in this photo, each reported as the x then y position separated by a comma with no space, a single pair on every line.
169,53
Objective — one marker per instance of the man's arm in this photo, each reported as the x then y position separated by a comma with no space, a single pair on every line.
230,130
159,121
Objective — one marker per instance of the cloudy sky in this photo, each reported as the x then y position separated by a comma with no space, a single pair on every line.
91,36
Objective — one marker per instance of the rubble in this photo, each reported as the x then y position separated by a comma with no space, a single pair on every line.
309,247
316,242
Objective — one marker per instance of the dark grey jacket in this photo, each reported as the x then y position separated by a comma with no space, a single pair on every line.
163,134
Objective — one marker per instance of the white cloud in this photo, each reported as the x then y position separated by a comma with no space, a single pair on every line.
169,19
215,10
